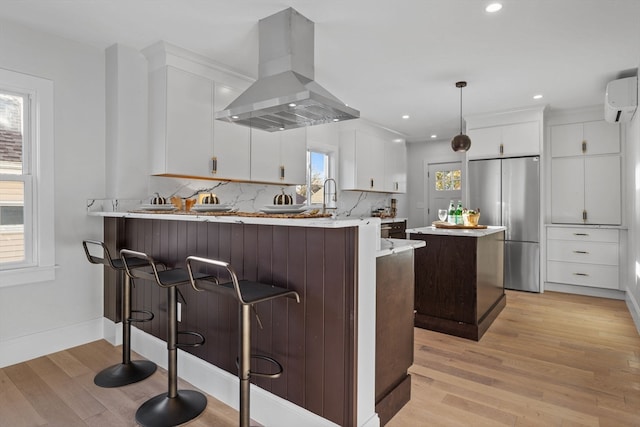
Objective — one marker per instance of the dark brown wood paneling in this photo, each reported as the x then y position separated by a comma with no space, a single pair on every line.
454,276
314,340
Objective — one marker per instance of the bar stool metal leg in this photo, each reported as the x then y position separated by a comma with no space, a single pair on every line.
247,293
175,407
129,371
244,370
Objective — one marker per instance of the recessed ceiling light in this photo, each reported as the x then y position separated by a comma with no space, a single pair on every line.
434,136
493,7
234,117
282,128
537,96
406,116
336,120
293,104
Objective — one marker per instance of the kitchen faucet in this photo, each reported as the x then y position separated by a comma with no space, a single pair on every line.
332,196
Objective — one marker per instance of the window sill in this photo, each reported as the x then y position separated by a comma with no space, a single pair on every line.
23,276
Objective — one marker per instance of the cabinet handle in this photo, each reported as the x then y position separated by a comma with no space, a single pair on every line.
580,234
501,149
580,252
584,146
214,165
584,215
397,185
371,182
281,172
580,274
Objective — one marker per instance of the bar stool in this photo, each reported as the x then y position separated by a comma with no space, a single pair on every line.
176,406
247,293
129,371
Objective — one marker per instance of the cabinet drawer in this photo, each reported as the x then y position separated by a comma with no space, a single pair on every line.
583,252
600,276
583,234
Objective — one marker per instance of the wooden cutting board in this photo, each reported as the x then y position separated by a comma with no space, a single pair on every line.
443,224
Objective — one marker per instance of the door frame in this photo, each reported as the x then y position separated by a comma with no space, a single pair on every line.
428,185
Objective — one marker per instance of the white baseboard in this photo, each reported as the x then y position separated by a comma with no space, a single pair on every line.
42,343
111,331
634,309
585,290
266,408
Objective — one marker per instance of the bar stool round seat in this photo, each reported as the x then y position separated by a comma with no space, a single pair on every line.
129,371
176,406
248,294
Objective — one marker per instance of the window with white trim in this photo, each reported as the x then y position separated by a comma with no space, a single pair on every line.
318,170
26,179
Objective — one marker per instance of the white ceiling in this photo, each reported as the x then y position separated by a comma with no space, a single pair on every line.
388,58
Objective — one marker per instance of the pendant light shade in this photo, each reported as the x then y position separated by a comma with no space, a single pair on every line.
461,142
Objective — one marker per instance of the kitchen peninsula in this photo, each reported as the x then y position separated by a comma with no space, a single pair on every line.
459,279
326,343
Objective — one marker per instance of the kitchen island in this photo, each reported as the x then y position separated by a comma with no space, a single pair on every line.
459,279
326,343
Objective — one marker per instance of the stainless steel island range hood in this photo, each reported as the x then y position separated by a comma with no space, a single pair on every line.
286,96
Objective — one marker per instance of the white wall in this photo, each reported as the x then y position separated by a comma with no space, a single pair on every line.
39,318
633,208
420,154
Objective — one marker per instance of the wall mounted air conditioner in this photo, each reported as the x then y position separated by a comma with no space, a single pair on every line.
621,100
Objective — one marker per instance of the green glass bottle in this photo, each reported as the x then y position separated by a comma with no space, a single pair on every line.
451,218
459,213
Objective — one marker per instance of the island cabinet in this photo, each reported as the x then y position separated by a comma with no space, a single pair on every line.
394,332
325,343
459,280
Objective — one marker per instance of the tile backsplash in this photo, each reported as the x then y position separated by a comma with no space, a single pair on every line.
246,197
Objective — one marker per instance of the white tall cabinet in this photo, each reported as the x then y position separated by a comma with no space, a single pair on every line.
585,173
586,235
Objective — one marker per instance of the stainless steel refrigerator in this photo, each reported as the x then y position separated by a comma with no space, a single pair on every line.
507,191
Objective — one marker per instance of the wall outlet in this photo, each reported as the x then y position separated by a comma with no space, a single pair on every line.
179,312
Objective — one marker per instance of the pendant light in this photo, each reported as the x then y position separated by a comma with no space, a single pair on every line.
461,142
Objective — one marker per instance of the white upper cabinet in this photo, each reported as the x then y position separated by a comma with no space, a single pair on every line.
575,139
395,169
372,160
180,117
510,140
232,143
279,157
361,161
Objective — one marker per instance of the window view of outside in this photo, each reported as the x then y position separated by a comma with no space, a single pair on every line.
448,180
12,242
317,172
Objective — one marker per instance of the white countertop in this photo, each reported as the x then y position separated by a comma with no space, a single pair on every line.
459,232
295,222
391,220
392,246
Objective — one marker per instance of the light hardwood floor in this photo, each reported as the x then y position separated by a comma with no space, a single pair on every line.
548,360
